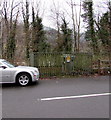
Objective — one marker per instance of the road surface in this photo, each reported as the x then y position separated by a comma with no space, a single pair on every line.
83,97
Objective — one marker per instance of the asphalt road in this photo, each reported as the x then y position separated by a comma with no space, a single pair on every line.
84,97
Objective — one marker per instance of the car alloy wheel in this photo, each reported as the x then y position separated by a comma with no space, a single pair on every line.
23,79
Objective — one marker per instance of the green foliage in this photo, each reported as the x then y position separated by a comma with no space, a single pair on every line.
11,43
82,62
49,59
65,40
26,29
89,20
55,64
38,34
103,33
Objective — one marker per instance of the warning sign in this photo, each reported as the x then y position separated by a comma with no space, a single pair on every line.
68,58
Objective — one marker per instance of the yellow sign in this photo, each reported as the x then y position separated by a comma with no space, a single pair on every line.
68,58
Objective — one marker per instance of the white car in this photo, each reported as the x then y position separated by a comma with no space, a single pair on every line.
22,75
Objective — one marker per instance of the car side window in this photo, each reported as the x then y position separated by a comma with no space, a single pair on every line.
1,65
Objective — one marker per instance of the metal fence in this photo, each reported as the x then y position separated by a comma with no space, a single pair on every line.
60,64
71,64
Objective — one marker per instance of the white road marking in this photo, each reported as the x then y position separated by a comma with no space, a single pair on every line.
74,97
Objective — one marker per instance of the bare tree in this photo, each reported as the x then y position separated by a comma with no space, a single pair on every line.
1,26
76,21
25,13
10,16
55,11
66,45
79,27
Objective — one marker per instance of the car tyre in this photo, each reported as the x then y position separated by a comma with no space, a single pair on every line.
23,79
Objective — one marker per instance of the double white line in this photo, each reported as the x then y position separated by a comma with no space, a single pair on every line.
74,97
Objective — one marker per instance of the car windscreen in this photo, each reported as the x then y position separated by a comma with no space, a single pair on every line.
1,64
8,64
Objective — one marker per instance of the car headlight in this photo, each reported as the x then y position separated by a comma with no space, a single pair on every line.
35,71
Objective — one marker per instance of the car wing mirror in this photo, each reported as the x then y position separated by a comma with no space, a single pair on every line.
4,67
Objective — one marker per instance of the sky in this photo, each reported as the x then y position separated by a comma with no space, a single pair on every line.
99,8
45,13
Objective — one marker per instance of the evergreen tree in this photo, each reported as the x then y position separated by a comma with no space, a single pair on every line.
11,43
66,45
38,34
103,32
26,29
89,19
